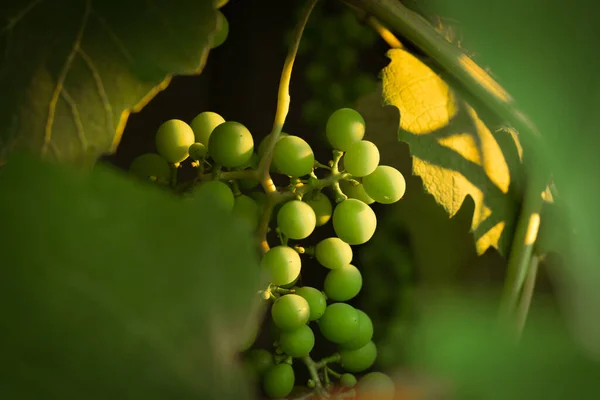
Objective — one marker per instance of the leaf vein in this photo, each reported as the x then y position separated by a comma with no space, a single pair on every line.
14,20
62,76
101,89
76,118
114,37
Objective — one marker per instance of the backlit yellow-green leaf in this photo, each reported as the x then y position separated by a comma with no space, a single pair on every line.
454,152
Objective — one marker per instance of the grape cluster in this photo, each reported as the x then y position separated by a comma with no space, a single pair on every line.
227,162
336,40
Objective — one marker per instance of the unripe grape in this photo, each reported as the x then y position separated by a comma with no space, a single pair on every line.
282,264
354,221
204,124
322,207
361,158
339,323
217,190
279,380
150,165
360,359
317,303
259,360
297,343
197,151
173,140
343,284
365,333
231,144
345,127
222,30
386,185
262,147
348,380
293,156
355,192
247,210
290,312
376,385
333,253
296,219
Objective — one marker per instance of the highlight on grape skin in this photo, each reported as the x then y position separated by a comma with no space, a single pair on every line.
173,140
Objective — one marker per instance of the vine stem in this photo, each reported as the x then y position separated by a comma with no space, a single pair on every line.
283,101
527,295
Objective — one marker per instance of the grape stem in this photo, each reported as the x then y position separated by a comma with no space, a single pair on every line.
313,368
283,101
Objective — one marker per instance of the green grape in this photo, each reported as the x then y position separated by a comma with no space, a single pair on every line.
290,312
279,381
297,343
218,191
296,219
354,222
316,73
376,385
365,333
262,147
343,284
246,209
220,3
361,159
282,264
204,124
344,127
317,303
293,156
197,151
348,380
322,207
173,140
259,360
339,323
386,185
222,30
231,144
360,359
333,253
355,192
150,165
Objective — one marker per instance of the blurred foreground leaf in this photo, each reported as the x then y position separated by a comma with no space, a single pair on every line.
115,289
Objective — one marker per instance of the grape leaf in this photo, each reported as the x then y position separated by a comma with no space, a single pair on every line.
453,150
73,70
112,288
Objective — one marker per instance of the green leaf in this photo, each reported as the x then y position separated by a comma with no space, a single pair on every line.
454,152
458,344
112,288
73,70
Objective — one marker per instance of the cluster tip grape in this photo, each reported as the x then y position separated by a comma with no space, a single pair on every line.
350,182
